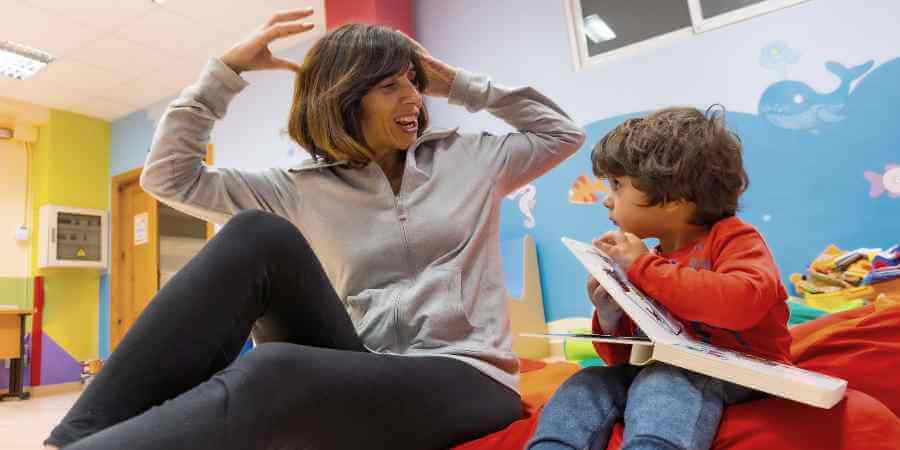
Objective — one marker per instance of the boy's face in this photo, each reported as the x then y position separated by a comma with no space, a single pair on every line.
627,209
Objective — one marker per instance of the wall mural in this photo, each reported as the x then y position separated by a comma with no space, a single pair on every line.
779,57
584,191
823,170
793,105
527,196
889,182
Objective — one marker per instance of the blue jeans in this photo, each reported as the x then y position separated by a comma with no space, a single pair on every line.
664,407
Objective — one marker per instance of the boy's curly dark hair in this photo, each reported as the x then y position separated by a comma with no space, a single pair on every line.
678,154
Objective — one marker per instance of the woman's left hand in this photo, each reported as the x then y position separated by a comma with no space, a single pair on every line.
439,74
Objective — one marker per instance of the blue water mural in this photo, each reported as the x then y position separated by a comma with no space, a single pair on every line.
807,183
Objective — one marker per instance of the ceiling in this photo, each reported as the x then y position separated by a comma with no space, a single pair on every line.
114,57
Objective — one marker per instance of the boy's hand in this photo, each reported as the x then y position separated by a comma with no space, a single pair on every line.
608,311
623,248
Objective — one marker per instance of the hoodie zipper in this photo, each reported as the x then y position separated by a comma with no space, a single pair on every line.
401,220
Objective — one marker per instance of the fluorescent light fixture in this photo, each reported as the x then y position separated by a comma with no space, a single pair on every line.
20,62
597,30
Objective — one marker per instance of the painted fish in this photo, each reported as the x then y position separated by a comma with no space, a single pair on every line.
889,182
584,191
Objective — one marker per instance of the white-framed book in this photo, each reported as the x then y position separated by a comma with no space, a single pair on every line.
668,342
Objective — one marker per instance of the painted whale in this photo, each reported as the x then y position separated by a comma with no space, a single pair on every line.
793,105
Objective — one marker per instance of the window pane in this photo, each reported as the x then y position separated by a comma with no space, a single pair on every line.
712,8
618,23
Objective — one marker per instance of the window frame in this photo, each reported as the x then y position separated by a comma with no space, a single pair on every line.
578,41
702,25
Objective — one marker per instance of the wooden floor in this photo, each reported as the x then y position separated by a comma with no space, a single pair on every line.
25,424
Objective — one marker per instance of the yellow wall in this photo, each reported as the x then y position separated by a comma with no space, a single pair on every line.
71,168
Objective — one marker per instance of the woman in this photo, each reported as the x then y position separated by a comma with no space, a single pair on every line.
390,222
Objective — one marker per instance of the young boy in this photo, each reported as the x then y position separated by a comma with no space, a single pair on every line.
675,175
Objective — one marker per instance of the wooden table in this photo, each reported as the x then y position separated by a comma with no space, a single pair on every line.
12,347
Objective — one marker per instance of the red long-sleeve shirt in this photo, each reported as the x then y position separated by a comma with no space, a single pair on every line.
725,289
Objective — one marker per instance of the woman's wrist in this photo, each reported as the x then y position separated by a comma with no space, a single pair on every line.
440,79
447,75
231,65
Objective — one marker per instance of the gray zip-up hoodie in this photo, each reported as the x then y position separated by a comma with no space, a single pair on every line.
419,272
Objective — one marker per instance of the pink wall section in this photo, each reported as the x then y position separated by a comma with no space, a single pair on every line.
396,14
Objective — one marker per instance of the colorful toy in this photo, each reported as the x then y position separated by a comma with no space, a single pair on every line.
889,257
882,274
841,300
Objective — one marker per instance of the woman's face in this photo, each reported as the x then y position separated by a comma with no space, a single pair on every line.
390,116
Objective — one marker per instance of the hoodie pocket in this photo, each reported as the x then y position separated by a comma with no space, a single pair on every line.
370,311
439,319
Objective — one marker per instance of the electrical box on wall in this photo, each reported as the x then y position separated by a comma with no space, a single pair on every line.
73,237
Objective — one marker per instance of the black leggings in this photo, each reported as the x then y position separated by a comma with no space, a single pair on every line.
173,382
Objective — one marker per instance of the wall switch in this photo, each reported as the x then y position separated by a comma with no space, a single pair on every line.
22,233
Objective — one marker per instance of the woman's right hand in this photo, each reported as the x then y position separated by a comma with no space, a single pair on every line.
440,75
253,52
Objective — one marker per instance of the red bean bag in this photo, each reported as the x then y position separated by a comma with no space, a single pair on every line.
861,346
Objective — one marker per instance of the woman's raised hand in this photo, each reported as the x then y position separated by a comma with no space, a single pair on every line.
439,74
253,52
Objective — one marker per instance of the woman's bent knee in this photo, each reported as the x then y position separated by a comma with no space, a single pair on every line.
268,235
256,224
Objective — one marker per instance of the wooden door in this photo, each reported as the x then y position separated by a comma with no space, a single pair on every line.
135,277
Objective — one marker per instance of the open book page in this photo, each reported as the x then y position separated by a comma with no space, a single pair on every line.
654,320
606,338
